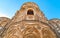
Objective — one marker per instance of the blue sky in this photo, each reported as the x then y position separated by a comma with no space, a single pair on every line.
51,8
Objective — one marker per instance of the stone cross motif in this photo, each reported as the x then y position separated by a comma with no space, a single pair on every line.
29,22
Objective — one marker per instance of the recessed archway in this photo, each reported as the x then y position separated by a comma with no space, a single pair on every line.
30,12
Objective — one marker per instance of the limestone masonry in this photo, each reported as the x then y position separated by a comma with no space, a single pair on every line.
29,22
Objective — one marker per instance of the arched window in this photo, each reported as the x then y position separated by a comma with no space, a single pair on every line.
30,12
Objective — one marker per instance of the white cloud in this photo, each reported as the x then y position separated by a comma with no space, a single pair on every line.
3,15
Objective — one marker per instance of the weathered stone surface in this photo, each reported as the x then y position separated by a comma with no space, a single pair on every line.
29,29
29,22
3,23
55,25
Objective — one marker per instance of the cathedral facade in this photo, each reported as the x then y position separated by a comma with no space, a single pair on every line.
29,22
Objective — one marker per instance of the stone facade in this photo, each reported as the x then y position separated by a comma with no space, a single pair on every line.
29,22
